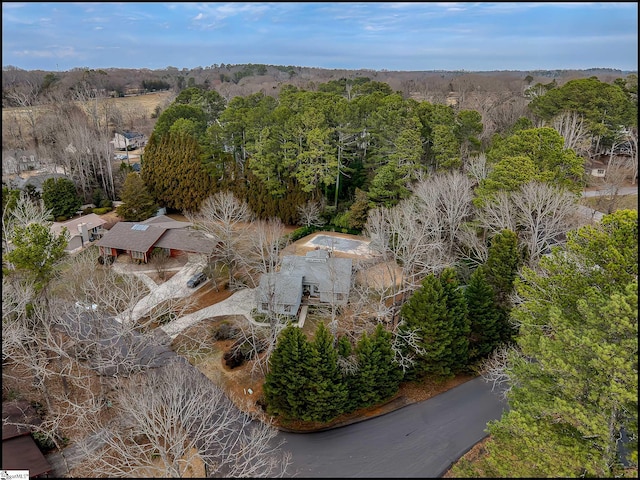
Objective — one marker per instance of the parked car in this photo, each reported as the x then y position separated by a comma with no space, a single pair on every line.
196,280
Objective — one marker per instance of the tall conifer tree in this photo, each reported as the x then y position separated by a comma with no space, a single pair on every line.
484,334
426,311
501,268
458,314
286,384
327,393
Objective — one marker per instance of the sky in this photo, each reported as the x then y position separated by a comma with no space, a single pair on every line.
395,36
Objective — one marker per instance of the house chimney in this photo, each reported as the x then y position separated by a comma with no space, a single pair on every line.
84,232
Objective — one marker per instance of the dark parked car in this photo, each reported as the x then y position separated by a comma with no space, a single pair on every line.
196,280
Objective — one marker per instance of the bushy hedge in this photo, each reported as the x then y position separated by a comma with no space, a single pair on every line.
102,210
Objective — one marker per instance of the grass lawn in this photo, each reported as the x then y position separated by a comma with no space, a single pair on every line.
602,204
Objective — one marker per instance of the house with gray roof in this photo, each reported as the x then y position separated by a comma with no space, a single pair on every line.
138,239
316,278
128,140
82,230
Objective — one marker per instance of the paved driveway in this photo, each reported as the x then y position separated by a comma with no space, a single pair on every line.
240,303
175,287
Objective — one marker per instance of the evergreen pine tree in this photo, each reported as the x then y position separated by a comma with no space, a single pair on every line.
574,375
483,313
389,372
138,203
348,366
174,173
458,313
327,394
363,385
286,384
61,197
501,268
426,311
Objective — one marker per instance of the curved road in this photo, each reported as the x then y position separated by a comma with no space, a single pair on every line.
419,441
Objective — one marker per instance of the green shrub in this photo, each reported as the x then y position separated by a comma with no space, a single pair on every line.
87,211
102,210
298,233
61,218
45,442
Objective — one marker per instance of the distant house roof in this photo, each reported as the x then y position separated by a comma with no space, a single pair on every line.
131,236
131,135
92,220
36,180
161,232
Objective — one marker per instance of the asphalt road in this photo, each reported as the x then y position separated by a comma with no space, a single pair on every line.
621,191
418,441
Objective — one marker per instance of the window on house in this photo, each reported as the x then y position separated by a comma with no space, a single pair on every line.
601,171
264,306
339,296
286,309
137,255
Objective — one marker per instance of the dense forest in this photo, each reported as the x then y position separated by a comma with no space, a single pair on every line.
467,182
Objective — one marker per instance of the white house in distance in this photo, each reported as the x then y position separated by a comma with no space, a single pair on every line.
128,140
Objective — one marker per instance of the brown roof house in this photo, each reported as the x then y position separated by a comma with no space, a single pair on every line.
138,239
19,449
82,231
316,278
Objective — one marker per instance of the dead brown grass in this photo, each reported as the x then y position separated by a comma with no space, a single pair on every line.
142,105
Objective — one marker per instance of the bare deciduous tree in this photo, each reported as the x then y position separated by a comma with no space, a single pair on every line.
25,212
494,369
498,214
540,213
25,95
309,214
223,217
477,168
265,245
413,234
406,346
452,193
545,213
610,184
572,128
175,417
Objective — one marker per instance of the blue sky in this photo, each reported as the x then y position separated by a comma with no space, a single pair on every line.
469,36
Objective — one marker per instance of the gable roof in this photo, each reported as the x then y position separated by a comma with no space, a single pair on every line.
129,134
317,267
186,241
92,220
131,236
285,289
166,233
